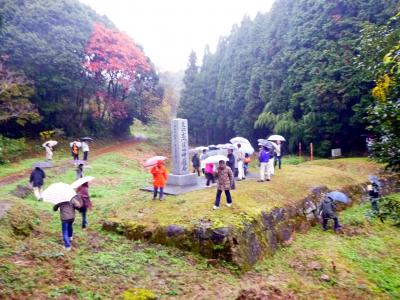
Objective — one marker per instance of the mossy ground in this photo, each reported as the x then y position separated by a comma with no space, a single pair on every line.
103,265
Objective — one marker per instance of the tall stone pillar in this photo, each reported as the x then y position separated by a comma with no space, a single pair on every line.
180,155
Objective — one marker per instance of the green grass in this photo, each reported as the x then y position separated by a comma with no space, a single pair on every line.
367,262
289,185
104,265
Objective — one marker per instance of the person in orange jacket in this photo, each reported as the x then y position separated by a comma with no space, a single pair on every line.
160,177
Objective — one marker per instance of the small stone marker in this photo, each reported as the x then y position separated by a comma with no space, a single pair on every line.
180,154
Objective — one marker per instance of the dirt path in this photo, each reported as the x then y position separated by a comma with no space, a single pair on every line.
8,179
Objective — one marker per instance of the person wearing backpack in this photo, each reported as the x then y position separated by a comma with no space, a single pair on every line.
83,192
36,180
67,216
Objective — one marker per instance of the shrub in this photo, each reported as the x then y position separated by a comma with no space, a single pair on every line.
11,149
389,208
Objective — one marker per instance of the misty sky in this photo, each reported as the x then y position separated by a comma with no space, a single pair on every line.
169,29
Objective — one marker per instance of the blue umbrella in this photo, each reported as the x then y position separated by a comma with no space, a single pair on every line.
338,196
374,179
43,164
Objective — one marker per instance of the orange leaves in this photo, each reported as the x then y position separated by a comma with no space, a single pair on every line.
115,55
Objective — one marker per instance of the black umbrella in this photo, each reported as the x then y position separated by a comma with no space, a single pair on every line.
86,138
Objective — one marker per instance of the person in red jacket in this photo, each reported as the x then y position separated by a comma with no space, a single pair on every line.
160,177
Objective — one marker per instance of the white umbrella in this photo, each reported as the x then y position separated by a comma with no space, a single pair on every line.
58,192
215,159
192,151
78,144
239,140
228,146
50,143
80,181
246,148
201,148
153,160
276,137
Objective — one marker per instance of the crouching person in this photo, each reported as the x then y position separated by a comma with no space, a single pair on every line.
67,215
327,210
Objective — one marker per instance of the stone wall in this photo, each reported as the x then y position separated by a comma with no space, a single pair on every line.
244,244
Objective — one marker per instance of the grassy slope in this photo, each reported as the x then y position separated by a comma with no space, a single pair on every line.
289,185
104,265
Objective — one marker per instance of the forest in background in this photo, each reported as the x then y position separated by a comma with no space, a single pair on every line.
64,67
305,70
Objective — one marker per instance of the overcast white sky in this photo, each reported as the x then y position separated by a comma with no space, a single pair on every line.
169,29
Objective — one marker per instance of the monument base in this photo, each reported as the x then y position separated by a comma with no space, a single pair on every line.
182,180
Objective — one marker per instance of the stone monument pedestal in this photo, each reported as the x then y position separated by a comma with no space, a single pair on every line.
182,180
180,175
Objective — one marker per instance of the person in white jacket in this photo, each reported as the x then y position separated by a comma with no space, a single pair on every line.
49,151
85,149
240,163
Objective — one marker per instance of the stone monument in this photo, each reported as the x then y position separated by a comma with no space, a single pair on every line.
180,175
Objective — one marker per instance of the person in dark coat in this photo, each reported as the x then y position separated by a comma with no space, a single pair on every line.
67,216
231,164
36,180
278,155
196,164
79,171
374,195
327,210
224,177
83,193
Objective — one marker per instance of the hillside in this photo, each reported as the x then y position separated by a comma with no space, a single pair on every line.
291,71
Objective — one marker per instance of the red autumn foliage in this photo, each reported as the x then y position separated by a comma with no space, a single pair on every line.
115,62
114,54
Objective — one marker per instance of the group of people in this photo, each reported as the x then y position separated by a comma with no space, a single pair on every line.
80,202
74,150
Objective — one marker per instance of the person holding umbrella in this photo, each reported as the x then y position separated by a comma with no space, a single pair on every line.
278,155
327,210
36,180
160,177
240,163
224,177
82,188
63,197
49,151
264,159
79,171
85,147
75,151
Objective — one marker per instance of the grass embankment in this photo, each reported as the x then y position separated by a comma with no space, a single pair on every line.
289,185
103,265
